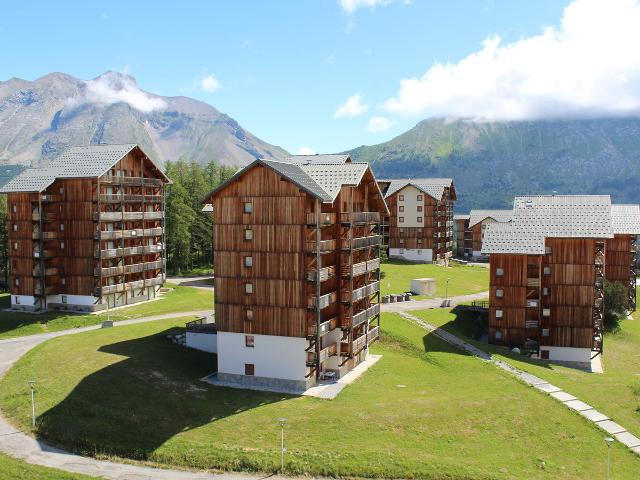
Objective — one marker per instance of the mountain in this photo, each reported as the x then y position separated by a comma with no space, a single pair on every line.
491,162
39,119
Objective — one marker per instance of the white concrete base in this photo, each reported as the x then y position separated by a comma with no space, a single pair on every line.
412,255
206,342
568,354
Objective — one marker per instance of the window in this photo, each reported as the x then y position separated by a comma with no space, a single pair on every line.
249,369
419,198
248,288
401,251
401,198
546,312
401,208
544,354
64,299
402,230
499,293
419,241
63,281
419,219
546,270
17,282
547,249
401,219
419,252
61,245
15,227
15,245
62,227
248,234
499,272
248,262
533,303
17,300
248,207
15,208
498,335
498,313
401,241
419,208
545,332
249,341
545,291
61,190
249,314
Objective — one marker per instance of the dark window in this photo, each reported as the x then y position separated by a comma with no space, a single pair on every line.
401,198
249,369
419,208
401,219
419,219
249,314
419,198
248,207
248,262
544,354
249,341
401,208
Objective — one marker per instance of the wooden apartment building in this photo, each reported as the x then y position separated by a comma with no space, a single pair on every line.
622,248
420,223
470,230
297,270
87,230
547,271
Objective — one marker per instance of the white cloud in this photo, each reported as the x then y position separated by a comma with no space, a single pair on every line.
378,125
589,66
352,107
306,151
114,87
351,6
210,83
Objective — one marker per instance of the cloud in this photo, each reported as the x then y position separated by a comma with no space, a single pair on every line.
589,66
378,125
115,87
351,6
306,151
210,83
352,107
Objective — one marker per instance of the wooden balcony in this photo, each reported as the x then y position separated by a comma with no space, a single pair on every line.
361,242
325,300
360,293
50,198
325,219
360,268
129,251
135,233
36,235
360,317
119,216
533,282
324,246
325,274
353,348
48,271
44,253
359,218
127,269
48,290
47,216
129,198
132,181
121,287
373,335
325,327
328,351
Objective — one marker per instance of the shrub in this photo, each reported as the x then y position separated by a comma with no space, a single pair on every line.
615,304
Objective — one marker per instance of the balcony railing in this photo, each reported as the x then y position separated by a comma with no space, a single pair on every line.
360,293
325,300
136,233
359,217
44,254
360,317
324,245
360,268
373,335
121,180
325,327
50,198
129,251
118,216
325,219
121,287
362,242
129,198
47,271
328,351
325,274
46,235
126,269
357,345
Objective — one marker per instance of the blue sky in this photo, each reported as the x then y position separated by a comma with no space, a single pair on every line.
282,69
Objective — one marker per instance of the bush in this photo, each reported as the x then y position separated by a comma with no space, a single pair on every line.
615,304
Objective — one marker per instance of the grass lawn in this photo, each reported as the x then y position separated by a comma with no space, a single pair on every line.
425,410
464,279
181,299
615,393
12,469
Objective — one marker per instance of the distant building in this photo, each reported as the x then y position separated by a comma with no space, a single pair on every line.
420,223
297,270
462,235
475,227
547,271
622,248
87,231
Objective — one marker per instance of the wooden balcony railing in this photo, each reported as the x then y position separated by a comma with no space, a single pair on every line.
121,180
325,219
44,254
373,335
361,242
129,251
325,274
328,351
118,216
325,300
325,327
129,198
359,217
354,347
126,269
121,287
47,271
136,233
50,198
360,268
360,293
360,317
324,245
46,235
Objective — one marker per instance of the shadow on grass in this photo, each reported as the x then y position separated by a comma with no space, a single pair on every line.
133,406
13,320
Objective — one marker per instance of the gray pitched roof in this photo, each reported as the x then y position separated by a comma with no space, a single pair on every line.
326,159
500,216
434,187
625,219
332,178
554,216
75,162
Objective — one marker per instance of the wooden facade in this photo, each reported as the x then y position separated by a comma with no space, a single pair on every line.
621,264
289,265
463,236
98,238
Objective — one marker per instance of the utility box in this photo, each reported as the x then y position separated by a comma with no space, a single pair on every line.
423,286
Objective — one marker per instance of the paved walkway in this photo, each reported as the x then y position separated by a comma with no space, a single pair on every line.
195,282
570,401
431,303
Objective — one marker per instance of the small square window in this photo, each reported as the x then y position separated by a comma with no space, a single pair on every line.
249,341
547,249
499,293
546,312
64,299
546,270
401,208
419,252
248,262
498,335
63,281
401,241
248,234
62,227
419,208
545,291
61,245
499,272
419,241
419,219
15,245
61,190
249,369
249,314
498,313
248,207
17,282
15,208
402,230
15,227
248,288
545,332
419,198
401,219
401,198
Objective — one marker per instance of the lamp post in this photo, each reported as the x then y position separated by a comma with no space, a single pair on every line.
32,385
282,422
608,441
446,290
